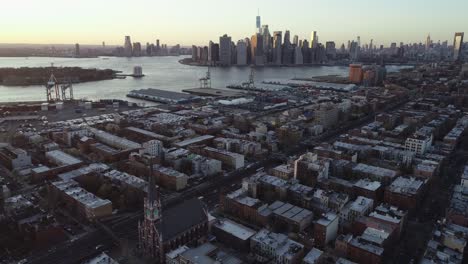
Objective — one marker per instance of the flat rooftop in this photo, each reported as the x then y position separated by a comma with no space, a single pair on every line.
406,185
162,94
192,141
102,258
367,184
238,230
213,92
291,212
61,158
94,167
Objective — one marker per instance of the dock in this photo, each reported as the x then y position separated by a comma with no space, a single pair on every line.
163,96
213,92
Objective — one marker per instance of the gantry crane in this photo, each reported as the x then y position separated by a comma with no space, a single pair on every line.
56,91
205,82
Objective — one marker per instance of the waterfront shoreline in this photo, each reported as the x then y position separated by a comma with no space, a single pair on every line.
34,76
190,62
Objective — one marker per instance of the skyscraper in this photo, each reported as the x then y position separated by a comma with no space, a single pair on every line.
77,50
258,24
225,50
249,50
257,49
306,57
136,49
210,50
288,50
215,53
428,42
314,40
330,49
458,46
287,38
158,48
354,51
296,40
298,59
277,39
128,49
241,52
267,43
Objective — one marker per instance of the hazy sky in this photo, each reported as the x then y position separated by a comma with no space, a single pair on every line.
198,21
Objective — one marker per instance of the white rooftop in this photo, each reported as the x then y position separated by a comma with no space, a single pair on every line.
127,178
102,258
406,185
367,184
72,189
238,230
312,256
61,158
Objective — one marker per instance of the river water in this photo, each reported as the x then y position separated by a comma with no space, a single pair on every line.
160,72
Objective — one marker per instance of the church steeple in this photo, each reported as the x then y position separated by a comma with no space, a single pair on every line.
151,184
150,237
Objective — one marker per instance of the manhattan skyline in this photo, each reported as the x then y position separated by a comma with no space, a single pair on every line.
188,22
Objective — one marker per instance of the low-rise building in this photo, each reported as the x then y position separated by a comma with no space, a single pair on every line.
369,189
244,147
83,171
313,257
113,140
360,207
276,248
240,205
457,212
374,173
364,249
79,201
391,215
447,245
229,159
125,181
418,143
290,217
283,171
464,177
170,178
200,140
308,169
405,192
142,135
206,253
60,158
233,234
14,158
102,258
326,229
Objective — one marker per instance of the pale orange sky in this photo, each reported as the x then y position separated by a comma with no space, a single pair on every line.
196,22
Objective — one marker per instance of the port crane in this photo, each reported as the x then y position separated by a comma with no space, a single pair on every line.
56,91
67,86
250,84
205,82
52,87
